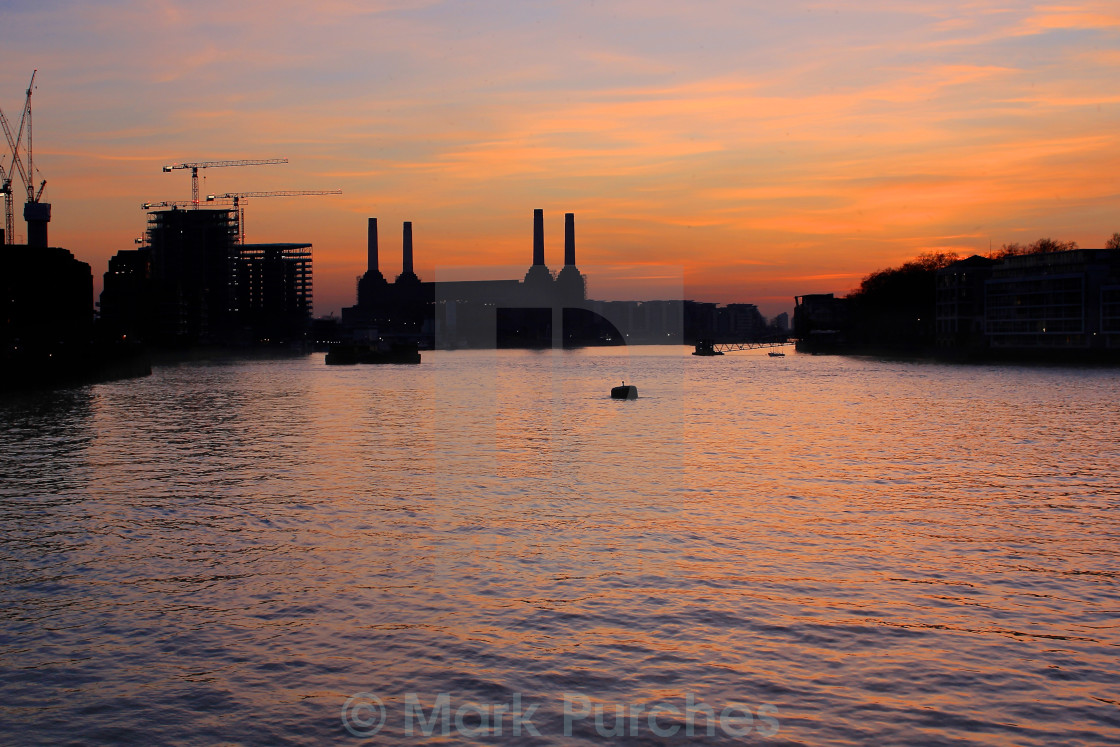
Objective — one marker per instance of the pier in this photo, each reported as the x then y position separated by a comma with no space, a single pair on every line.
711,347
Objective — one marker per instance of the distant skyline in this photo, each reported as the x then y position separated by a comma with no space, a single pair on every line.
769,150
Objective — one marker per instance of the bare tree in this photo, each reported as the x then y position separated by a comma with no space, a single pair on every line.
1042,246
1049,246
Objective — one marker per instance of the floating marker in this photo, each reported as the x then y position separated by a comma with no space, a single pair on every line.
626,391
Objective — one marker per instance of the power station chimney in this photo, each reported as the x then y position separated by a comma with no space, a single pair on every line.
538,275
371,247
571,286
371,286
569,239
538,237
407,260
407,275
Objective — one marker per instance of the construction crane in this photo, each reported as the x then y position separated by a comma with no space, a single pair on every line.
15,141
36,212
166,203
237,196
194,167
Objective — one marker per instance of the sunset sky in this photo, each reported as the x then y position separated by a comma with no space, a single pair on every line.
767,149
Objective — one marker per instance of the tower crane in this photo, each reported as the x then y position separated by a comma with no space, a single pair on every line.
194,167
36,212
166,203
237,196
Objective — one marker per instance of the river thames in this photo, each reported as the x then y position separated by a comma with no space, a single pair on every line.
486,548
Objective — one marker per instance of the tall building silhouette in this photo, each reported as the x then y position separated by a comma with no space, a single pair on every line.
128,296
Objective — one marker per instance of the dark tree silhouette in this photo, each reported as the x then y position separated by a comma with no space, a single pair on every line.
1042,246
894,286
895,307
1114,242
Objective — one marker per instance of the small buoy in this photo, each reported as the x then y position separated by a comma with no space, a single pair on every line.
626,391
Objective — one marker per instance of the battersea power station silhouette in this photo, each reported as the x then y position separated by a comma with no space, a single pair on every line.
540,310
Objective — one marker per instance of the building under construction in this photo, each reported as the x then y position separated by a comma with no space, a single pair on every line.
274,293
194,271
194,283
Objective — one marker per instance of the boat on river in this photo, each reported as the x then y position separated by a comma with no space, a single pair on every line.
350,354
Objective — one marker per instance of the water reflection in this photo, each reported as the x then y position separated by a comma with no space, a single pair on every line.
884,551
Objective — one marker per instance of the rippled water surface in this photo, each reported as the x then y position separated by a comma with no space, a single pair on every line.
855,551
